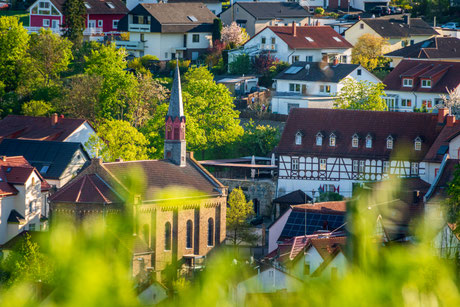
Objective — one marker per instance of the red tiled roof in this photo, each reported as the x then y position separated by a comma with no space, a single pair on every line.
404,127
38,128
446,134
321,36
97,6
86,189
325,207
16,170
327,246
444,74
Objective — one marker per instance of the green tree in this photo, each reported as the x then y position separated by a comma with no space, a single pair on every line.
26,263
74,21
329,196
240,65
216,29
259,140
319,11
110,64
13,50
211,119
361,95
50,54
118,139
37,108
368,51
239,211
453,202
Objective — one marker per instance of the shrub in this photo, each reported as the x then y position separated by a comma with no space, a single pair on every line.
319,11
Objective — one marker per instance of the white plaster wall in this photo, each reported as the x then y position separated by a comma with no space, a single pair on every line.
314,258
454,148
340,263
430,171
416,98
279,104
276,229
6,205
82,135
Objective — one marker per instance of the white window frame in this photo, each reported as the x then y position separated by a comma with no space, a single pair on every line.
368,141
46,23
319,140
326,89
405,104
115,23
389,143
426,83
332,140
386,167
100,23
193,38
418,144
355,142
295,164
355,166
298,138
296,87
414,169
408,82
362,166
322,164
295,58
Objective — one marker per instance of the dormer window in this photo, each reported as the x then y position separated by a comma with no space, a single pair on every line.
426,83
298,138
332,140
407,82
355,141
87,5
368,141
319,139
389,142
418,143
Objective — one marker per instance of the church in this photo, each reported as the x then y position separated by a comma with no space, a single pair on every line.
179,207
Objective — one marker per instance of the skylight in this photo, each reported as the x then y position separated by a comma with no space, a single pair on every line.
309,39
44,169
337,39
110,4
8,169
293,70
192,18
87,5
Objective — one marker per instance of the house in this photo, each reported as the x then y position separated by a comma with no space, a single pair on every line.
362,146
297,43
255,16
433,49
215,6
447,241
54,128
179,226
168,30
420,83
306,219
57,162
399,33
314,84
23,193
362,5
101,18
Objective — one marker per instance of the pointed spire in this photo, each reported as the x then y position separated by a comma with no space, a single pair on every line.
176,107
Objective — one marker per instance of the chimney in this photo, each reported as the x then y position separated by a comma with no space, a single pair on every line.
407,19
54,119
450,120
119,160
294,29
3,158
442,113
415,196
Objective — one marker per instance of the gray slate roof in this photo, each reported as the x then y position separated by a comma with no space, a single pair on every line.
316,72
57,155
176,107
433,48
270,10
398,28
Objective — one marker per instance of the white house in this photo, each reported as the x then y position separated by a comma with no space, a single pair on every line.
446,242
362,146
168,30
23,195
420,83
314,85
298,43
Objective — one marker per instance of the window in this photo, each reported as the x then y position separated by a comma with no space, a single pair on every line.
295,164
427,103
306,268
115,24
411,41
31,207
167,236
189,234
32,227
337,39
406,102
368,141
298,138
196,38
355,166
358,72
87,5
210,232
361,166
273,40
292,106
192,18
295,58
418,144
361,26
166,55
99,23
110,5
407,82
309,39
142,37
414,169
332,140
343,59
322,164
44,5
325,88
319,140
309,58
389,142
293,87
263,40
44,169
386,166
46,22
426,83
355,141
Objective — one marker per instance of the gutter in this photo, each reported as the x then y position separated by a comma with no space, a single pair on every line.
436,180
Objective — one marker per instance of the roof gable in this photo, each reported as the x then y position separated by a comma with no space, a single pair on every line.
316,72
389,27
433,48
97,6
271,10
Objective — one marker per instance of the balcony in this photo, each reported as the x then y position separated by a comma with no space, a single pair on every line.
37,29
93,32
130,45
134,27
268,47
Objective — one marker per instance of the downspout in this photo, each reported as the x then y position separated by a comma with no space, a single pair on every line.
415,99
291,54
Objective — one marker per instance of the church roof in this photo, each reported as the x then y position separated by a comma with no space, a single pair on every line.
176,107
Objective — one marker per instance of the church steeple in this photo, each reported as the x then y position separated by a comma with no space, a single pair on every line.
175,149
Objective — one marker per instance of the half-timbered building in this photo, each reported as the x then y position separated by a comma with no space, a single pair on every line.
334,150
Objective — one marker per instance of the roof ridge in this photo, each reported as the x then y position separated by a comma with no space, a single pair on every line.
98,190
77,199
